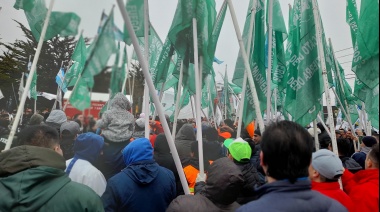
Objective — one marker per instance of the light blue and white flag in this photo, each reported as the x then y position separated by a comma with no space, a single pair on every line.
59,80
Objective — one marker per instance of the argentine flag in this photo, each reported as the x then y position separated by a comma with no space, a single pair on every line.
59,80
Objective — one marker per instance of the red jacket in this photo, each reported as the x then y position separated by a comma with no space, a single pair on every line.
333,191
363,188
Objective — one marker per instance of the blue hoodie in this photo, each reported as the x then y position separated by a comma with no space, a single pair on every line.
87,146
143,185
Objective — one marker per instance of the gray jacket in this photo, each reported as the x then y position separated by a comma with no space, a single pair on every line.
117,123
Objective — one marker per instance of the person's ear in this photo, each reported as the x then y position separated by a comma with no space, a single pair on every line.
262,159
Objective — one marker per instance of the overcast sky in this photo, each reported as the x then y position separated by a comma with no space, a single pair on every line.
333,14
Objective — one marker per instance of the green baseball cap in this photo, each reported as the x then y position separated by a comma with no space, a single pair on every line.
239,149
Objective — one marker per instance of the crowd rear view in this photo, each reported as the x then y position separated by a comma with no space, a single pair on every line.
54,165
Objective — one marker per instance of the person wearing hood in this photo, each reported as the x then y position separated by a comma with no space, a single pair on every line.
56,119
32,177
217,193
183,140
87,148
117,128
165,159
143,185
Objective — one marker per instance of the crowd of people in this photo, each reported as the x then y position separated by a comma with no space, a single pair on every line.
60,163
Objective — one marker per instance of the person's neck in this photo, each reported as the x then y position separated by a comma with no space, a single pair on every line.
271,179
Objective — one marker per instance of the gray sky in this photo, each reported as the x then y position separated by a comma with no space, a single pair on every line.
333,14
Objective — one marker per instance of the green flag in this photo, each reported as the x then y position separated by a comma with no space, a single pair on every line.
256,60
213,40
63,24
33,86
236,89
278,52
101,50
79,58
163,65
366,57
80,98
116,76
180,33
305,84
136,13
352,19
155,48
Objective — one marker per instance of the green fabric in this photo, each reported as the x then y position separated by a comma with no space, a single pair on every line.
64,24
117,74
80,98
237,90
33,179
278,52
136,13
352,19
33,86
164,64
366,57
213,40
79,58
155,48
257,63
101,50
305,84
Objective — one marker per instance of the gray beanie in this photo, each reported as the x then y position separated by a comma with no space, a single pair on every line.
57,117
327,164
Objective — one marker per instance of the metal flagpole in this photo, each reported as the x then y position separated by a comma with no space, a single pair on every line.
198,94
269,71
159,107
176,111
247,68
29,80
146,51
250,44
316,140
322,60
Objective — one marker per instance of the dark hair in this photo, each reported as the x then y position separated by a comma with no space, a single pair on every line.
78,121
157,118
287,148
229,123
211,134
66,135
374,154
76,115
343,146
324,142
39,135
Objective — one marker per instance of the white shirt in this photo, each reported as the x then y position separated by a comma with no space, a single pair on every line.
85,173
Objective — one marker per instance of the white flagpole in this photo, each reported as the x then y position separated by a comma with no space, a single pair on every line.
269,71
225,96
247,67
322,60
176,111
198,94
316,140
29,81
250,44
348,115
146,51
159,107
